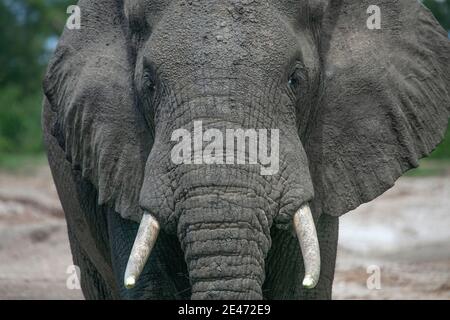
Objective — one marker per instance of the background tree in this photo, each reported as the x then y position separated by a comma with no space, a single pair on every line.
29,30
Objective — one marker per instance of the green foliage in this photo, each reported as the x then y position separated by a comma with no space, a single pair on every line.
26,30
443,150
441,10
431,167
19,121
21,163
26,27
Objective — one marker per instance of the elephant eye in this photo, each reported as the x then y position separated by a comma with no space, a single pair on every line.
297,79
149,83
293,81
150,87
150,92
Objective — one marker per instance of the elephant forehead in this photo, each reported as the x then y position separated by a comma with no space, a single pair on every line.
222,34
135,8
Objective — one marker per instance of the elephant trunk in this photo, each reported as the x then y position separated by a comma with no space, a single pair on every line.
224,250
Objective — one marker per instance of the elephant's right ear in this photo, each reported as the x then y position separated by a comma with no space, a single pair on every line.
386,99
89,91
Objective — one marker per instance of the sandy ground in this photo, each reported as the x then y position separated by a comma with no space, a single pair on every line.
396,247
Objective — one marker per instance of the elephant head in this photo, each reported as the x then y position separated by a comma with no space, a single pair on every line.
354,108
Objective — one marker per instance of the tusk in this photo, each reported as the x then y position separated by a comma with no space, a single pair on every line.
142,247
309,244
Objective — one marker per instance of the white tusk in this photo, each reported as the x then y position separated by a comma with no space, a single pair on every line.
309,244
142,247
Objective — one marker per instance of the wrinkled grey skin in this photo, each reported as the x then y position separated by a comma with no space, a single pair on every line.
362,107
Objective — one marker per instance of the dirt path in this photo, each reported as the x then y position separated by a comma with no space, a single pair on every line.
405,234
34,248
403,237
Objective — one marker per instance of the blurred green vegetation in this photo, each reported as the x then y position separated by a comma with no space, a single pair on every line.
29,31
441,10
22,163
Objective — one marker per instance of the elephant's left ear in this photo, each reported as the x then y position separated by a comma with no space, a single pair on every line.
90,97
386,99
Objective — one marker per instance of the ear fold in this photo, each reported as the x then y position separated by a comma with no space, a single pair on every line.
89,90
386,100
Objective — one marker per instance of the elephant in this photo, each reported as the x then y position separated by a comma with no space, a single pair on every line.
354,106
